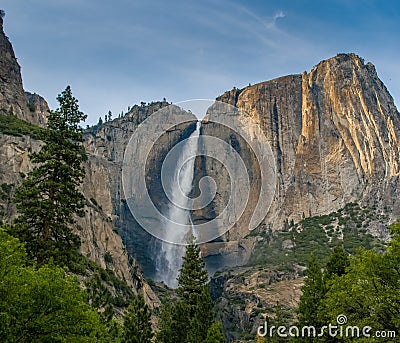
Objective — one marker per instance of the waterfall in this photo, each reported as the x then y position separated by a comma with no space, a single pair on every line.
169,260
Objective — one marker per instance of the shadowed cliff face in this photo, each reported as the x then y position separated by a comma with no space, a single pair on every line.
105,146
335,135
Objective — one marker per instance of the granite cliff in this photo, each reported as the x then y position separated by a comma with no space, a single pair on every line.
334,133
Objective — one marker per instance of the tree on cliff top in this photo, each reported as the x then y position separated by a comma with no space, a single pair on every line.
49,197
2,14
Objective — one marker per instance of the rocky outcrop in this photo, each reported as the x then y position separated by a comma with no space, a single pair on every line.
245,297
39,109
12,96
15,164
334,133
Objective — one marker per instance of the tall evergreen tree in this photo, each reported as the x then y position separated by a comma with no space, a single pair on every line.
190,317
195,295
168,324
137,325
193,276
49,197
313,293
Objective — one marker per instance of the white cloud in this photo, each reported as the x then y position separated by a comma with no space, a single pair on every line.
279,14
276,16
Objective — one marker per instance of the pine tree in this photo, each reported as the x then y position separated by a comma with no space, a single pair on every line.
195,295
193,276
173,323
49,197
109,116
137,325
189,318
312,296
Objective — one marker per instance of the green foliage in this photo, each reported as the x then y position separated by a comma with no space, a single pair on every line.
108,257
193,277
194,293
98,283
12,254
369,293
100,297
169,324
188,319
42,305
214,334
137,322
13,126
365,288
312,295
337,263
49,197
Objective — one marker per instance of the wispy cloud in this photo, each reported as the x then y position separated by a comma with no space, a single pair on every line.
276,16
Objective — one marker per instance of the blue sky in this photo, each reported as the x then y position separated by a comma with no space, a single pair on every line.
118,53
